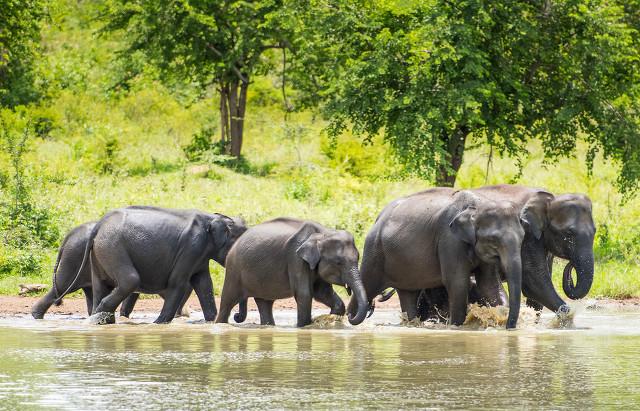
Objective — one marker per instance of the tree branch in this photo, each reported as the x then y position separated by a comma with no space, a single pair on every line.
235,69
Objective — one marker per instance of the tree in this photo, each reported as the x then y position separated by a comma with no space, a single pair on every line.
433,75
209,42
19,46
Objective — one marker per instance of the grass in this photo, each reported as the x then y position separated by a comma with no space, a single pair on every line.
109,150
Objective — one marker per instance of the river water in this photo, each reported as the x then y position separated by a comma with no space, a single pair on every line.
64,363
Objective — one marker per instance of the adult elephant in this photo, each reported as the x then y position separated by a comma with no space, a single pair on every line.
156,250
438,237
68,276
560,226
287,257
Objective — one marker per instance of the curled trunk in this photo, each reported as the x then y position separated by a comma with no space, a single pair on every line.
359,296
584,269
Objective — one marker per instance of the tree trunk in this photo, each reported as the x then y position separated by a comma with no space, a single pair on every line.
455,142
224,116
237,102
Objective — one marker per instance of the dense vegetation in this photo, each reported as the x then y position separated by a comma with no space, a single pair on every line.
89,142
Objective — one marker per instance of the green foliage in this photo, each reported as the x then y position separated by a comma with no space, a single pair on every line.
202,143
107,158
223,43
139,130
25,228
432,73
19,48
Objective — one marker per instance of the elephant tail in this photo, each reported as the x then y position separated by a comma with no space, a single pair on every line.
85,257
58,301
241,315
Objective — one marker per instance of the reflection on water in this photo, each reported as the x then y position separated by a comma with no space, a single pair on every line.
66,363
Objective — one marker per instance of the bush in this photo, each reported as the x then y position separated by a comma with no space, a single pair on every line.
25,227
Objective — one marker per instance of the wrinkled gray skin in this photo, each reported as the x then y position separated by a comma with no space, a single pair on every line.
439,237
154,250
285,258
65,270
560,226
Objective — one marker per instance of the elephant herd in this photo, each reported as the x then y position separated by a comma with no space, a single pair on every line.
439,249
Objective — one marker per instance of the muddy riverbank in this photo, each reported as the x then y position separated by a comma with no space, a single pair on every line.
11,305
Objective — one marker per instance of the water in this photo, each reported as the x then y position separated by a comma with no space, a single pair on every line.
64,363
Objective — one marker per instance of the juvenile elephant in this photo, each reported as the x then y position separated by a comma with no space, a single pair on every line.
156,250
66,269
439,237
560,226
285,258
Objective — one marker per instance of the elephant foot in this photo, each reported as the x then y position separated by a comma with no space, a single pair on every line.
564,316
38,315
162,320
102,318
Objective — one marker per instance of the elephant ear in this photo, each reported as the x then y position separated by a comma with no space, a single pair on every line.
309,250
218,228
534,213
463,225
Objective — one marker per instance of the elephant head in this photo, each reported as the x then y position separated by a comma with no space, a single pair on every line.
334,256
494,233
223,232
566,224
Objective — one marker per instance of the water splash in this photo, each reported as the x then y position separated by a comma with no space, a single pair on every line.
327,321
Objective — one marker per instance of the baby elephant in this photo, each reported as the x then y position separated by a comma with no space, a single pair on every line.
287,257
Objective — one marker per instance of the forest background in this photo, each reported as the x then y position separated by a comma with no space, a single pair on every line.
324,110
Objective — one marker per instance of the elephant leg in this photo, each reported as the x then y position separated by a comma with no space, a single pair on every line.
88,297
265,307
181,308
99,287
433,304
203,286
323,292
232,294
172,300
128,281
532,302
43,304
409,303
488,286
127,305
303,294
458,291
303,301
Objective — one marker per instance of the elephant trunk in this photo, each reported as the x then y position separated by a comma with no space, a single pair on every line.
512,267
583,264
355,283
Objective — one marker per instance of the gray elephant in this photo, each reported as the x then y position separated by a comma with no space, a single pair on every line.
560,226
439,237
64,279
155,250
285,258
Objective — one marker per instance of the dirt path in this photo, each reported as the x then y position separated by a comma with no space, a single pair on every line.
11,305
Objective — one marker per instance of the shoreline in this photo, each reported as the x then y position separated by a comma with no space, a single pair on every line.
13,305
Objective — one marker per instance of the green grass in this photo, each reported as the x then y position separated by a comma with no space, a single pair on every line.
291,168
